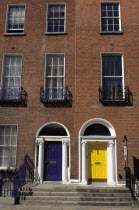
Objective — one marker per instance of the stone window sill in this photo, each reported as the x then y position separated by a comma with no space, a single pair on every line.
14,34
55,33
111,32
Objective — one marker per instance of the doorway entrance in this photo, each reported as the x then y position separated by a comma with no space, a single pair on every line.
52,153
97,157
97,161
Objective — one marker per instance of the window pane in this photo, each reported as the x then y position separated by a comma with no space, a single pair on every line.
110,14
56,15
116,21
13,140
12,161
109,6
50,28
103,6
13,151
103,13
61,28
110,21
61,60
56,28
104,21
55,60
49,70
104,27
61,70
2,140
7,141
1,151
116,27
116,13
60,82
2,130
1,161
6,162
6,151
55,70
115,6
7,130
13,130
110,27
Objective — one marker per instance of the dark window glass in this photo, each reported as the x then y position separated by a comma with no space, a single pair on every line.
96,130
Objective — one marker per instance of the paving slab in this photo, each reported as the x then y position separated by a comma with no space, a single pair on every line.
38,207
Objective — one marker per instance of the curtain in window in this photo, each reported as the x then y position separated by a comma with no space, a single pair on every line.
16,18
55,76
12,76
8,143
112,76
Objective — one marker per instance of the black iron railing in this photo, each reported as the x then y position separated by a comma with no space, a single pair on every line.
119,95
6,182
132,183
13,96
56,96
12,181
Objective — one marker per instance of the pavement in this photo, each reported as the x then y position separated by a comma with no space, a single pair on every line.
10,206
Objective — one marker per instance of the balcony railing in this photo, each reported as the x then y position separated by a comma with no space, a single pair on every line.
119,95
56,97
13,96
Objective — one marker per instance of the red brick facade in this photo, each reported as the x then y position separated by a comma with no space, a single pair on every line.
82,45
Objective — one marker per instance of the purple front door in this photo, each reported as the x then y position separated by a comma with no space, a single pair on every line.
53,161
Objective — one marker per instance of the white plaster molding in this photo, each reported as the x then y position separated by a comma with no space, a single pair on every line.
110,143
45,125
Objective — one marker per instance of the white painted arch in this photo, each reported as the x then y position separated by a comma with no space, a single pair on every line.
40,140
111,151
49,123
99,121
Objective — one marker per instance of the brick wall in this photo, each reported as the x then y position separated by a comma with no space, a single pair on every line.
82,46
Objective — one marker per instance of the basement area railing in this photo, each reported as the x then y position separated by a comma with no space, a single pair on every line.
6,182
132,183
12,181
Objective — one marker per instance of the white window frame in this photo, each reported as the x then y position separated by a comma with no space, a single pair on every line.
122,60
7,15
55,4
5,167
111,2
47,54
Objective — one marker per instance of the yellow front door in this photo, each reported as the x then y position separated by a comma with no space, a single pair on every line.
97,160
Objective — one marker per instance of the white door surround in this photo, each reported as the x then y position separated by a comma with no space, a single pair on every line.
111,151
39,153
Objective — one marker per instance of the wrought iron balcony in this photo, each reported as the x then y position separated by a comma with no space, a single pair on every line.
13,97
115,96
56,97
